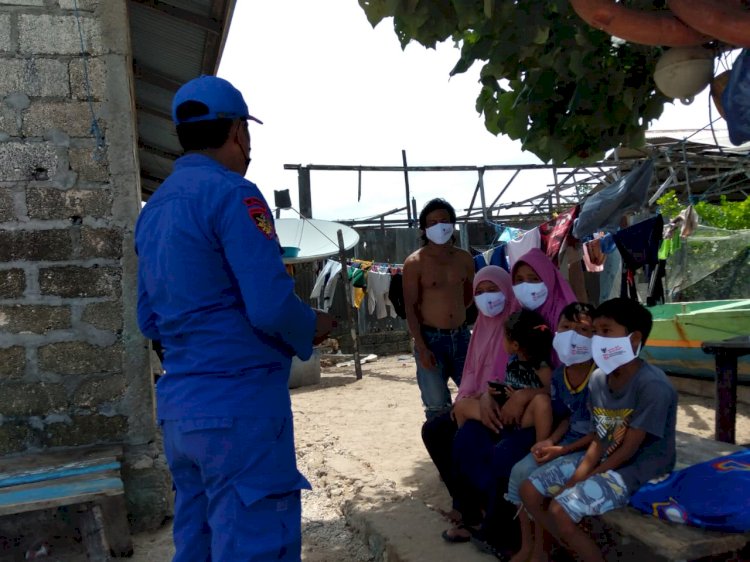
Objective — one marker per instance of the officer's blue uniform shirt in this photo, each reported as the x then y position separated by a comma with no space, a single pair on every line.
226,314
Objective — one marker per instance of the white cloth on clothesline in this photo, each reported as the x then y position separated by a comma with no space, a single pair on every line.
378,285
325,284
528,241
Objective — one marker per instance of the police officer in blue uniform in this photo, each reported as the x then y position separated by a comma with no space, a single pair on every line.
213,290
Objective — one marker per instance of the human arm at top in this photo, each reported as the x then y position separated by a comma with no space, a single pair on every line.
546,454
146,315
469,282
411,280
252,251
631,442
590,461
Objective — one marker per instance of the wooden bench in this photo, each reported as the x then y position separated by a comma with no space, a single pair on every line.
87,480
673,541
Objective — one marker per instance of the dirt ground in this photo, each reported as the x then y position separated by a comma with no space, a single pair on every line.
355,434
363,437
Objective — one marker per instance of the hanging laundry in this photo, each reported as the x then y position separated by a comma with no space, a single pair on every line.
358,278
396,294
639,247
639,243
593,257
610,278
604,209
378,286
555,233
479,262
669,245
508,234
325,284
528,241
690,221
736,99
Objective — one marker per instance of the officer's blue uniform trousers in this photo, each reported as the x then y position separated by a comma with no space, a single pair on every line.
215,464
213,289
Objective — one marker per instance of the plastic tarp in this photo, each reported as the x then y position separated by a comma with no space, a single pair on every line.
604,209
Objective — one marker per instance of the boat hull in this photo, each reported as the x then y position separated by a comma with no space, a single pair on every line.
679,329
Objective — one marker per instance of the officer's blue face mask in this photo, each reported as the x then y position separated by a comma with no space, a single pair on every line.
245,153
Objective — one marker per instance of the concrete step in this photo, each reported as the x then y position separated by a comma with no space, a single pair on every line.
405,530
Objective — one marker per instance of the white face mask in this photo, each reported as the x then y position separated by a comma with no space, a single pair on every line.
572,347
611,353
531,295
440,233
490,304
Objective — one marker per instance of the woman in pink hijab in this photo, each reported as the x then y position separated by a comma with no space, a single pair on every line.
485,361
538,285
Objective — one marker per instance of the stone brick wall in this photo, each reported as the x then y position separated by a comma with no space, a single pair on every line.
73,366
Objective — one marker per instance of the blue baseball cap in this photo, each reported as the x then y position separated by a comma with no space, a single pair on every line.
223,100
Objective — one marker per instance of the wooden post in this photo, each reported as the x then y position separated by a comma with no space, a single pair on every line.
406,183
349,303
480,185
305,196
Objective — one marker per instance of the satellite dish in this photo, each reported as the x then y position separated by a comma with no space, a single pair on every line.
306,240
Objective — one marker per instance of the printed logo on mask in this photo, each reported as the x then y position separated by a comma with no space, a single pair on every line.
613,352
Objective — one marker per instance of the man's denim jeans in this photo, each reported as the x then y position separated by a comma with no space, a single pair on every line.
449,348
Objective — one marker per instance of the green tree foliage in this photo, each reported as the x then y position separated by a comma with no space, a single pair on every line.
731,215
567,91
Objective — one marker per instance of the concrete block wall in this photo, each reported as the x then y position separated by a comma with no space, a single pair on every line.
73,365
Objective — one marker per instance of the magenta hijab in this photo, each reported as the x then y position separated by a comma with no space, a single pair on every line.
560,294
486,357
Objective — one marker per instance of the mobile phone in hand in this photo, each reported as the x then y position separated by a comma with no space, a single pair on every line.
501,397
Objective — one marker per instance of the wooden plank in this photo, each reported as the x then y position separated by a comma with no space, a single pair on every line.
116,525
58,493
91,526
14,464
692,449
671,540
55,473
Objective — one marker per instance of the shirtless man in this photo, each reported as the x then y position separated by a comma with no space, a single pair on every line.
437,289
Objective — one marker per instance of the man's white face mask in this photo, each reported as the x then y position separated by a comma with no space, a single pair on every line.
440,233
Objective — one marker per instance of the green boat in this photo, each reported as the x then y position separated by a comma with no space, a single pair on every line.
679,329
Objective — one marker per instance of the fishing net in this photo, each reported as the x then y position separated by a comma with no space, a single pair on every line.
712,264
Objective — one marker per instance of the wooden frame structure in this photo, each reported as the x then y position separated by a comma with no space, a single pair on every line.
695,170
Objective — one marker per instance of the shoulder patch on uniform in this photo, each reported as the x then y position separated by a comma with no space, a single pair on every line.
261,216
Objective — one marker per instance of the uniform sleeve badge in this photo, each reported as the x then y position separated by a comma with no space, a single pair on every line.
261,216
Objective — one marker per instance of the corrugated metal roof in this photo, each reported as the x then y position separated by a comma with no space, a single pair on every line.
172,41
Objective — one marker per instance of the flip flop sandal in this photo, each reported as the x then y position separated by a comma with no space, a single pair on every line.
447,537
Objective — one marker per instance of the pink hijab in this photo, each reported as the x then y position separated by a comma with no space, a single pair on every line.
559,295
486,357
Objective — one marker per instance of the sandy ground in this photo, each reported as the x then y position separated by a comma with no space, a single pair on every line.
364,436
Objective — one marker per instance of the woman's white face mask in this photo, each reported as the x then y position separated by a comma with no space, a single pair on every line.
611,353
440,233
490,304
572,347
531,295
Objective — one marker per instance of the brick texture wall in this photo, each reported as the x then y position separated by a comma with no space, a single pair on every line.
73,366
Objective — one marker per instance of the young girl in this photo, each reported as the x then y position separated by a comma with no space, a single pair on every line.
539,286
528,342
569,394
